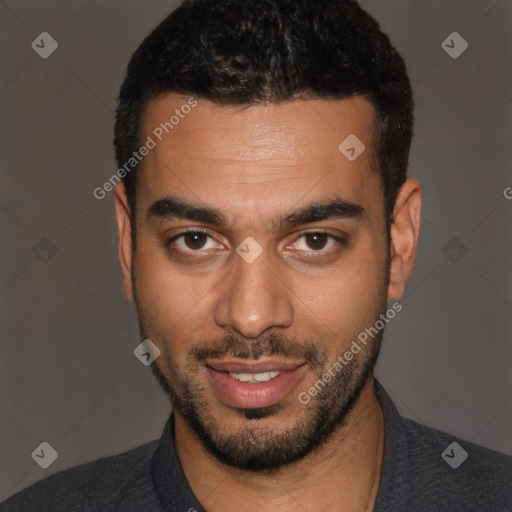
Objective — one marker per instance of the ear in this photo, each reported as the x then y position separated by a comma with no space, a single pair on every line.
124,228
405,231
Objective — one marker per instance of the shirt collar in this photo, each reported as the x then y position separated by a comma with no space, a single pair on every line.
394,484
170,483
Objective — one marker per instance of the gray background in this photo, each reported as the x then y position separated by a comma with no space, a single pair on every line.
68,373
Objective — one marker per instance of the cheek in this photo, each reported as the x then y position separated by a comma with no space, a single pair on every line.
349,296
172,305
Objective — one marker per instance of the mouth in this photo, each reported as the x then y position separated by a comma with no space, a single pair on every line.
254,384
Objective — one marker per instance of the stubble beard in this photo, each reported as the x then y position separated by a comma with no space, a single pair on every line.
255,447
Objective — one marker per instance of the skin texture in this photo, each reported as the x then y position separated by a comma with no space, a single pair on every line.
254,165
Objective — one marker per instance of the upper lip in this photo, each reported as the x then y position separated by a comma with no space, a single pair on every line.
254,366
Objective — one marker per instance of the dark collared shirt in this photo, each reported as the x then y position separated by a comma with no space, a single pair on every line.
418,475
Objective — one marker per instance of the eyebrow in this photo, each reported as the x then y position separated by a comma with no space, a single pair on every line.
171,207
337,208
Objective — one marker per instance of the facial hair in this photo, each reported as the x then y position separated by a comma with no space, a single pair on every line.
255,447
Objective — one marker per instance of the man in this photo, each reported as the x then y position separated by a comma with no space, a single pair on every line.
265,219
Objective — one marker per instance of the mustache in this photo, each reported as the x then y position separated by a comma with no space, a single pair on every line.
269,345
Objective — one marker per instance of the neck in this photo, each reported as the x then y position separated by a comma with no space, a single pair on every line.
343,474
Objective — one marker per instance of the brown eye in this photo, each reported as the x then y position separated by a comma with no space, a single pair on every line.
319,242
316,241
195,241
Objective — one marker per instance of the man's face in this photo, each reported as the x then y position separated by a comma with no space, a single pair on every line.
242,333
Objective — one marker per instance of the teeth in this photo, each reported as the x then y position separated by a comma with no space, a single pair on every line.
261,377
253,377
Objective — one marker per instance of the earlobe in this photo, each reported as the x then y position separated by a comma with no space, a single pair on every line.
124,228
405,230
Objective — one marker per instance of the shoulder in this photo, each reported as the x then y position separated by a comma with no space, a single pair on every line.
456,474
90,486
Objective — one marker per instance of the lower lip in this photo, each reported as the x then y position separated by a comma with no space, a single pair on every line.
261,394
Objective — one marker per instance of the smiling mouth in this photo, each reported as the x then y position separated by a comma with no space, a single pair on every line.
249,384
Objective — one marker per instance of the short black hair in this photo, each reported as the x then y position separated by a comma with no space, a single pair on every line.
248,52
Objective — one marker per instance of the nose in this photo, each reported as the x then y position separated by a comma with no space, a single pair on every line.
252,299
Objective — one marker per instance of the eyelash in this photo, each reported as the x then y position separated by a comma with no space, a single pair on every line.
340,241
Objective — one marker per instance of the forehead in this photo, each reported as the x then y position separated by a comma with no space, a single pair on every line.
260,154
